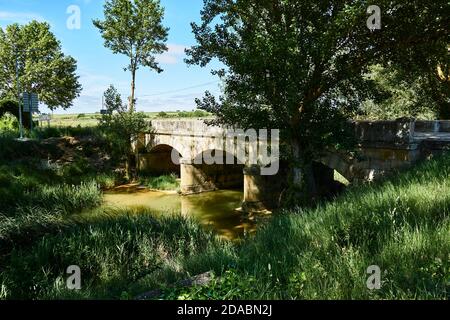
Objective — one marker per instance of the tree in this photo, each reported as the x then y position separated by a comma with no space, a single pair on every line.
398,96
43,68
301,65
411,91
134,28
121,127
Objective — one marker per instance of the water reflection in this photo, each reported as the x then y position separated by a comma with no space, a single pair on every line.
214,210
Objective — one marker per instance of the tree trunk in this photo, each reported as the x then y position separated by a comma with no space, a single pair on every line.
303,181
130,164
297,172
133,87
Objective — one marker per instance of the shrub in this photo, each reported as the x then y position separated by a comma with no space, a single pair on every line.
9,124
163,114
166,182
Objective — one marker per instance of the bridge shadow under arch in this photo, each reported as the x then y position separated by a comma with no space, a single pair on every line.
329,183
158,161
217,170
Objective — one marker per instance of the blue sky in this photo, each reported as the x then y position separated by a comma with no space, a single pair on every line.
174,89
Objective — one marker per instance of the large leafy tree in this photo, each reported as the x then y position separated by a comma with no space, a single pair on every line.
134,28
301,65
43,67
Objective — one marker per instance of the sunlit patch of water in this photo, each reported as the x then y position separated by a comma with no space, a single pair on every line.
214,210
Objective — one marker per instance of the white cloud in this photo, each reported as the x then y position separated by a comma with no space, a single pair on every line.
95,84
20,17
174,55
183,102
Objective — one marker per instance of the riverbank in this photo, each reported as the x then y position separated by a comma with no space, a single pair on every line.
401,224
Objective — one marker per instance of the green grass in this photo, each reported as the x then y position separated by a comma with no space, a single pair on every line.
165,182
401,224
87,120
120,256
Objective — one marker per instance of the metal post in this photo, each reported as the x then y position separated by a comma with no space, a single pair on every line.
18,96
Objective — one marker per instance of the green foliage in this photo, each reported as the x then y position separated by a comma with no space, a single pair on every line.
81,115
8,125
37,196
166,182
300,65
401,224
44,70
27,184
9,150
11,107
230,286
162,114
193,114
121,127
134,28
116,254
184,114
399,97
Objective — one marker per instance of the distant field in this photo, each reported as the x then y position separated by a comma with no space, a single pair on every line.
91,119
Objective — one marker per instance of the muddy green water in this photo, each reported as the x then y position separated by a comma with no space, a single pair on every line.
214,210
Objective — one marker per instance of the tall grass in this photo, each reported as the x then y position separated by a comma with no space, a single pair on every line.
66,131
25,185
119,256
401,224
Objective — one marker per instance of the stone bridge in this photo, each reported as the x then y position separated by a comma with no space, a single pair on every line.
194,151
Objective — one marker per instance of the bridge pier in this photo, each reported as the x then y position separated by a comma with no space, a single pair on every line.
194,179
254,190
197,178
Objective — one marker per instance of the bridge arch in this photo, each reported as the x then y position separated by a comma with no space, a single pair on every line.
339,163
158,160
210,170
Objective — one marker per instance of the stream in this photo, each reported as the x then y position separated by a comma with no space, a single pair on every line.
214,210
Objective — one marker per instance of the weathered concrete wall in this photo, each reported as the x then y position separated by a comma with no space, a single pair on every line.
385,146
193,137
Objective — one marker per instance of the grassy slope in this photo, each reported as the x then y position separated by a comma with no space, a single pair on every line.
50,219
402,225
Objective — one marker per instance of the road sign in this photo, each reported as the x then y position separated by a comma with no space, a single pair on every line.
30,100
45,117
